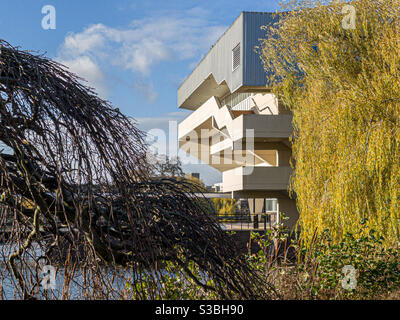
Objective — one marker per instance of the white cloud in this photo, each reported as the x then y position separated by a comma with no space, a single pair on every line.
84,42
87,69
139,48
142,45
147,89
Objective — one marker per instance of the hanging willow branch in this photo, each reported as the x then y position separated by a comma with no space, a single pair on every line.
342,86
78,169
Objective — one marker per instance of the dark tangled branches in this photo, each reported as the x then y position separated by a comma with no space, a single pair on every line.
77,177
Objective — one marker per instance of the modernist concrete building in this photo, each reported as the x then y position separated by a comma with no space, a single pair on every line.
237,125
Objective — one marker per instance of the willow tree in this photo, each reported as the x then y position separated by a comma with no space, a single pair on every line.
335,64
77,193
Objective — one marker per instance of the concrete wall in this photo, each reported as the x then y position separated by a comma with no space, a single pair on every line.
289,209
268,126
266,103
256,178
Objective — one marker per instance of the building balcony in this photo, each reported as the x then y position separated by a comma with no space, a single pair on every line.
214,133
234,123
257,178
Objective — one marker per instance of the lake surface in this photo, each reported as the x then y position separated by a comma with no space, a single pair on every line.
79,286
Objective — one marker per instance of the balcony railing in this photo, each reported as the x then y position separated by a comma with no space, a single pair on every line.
245,105
260,221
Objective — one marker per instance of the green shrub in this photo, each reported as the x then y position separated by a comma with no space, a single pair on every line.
317,272
377,268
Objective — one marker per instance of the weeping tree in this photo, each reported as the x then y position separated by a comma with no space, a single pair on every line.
76,191
335,64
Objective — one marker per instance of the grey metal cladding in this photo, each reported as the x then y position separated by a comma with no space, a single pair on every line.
253,71
246,31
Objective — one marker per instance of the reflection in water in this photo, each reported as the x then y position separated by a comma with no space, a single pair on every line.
77,286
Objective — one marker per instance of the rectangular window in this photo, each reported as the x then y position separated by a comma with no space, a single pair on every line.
236,57
271,205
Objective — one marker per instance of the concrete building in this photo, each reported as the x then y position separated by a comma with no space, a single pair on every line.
237,125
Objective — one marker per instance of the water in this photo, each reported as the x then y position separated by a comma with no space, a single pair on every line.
117,279
115,282
117,285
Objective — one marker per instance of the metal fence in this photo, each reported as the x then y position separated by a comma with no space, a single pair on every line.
260,221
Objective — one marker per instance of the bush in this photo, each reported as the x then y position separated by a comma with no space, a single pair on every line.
313,272
317,272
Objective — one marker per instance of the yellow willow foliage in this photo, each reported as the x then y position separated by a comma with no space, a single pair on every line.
343,87
225,207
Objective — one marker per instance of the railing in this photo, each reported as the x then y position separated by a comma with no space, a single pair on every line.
260,221
244,105
235,99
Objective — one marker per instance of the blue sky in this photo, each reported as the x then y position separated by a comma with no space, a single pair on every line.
134,53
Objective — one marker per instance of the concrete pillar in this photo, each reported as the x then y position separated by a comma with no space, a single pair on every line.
284,156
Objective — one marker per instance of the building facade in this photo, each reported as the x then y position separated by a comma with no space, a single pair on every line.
237,125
